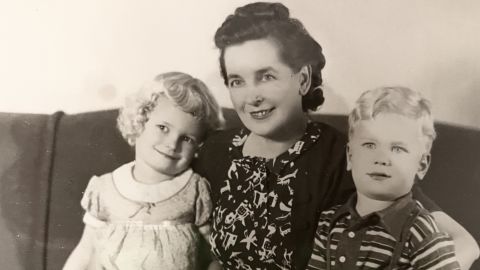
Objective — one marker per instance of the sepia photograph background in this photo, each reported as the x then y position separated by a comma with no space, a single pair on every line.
78,56
85,56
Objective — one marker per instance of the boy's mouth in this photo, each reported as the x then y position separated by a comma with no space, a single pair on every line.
379,176
261,114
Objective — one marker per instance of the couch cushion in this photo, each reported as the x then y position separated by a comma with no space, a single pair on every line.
87,144
26,141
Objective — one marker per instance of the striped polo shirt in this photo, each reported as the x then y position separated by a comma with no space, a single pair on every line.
344,240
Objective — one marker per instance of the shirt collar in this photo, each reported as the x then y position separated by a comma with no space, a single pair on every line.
392,217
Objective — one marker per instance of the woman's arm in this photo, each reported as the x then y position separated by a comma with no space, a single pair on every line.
79,259
466,248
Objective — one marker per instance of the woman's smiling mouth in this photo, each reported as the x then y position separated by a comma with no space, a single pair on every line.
262,114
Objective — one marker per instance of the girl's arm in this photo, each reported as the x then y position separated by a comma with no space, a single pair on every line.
466,248
79,259
205,231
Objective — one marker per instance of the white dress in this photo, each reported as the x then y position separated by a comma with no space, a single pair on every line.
146,226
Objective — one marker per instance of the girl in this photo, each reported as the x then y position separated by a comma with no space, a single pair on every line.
271,179
147,214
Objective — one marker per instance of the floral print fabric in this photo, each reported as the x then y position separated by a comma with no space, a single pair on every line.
252,218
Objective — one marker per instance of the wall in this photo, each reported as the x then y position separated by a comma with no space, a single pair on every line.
87,55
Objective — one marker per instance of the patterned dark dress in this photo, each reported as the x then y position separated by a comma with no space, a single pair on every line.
253,214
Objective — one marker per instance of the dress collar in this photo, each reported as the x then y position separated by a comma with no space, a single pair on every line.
131,189
311,135
392,217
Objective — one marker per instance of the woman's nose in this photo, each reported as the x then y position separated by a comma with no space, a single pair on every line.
255,97
255,100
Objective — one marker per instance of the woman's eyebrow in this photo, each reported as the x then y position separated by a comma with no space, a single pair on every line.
233,76
264,70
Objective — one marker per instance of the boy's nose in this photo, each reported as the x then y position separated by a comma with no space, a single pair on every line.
382,159
383,162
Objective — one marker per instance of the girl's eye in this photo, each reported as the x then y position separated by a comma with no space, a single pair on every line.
399,149
234,83
368,145
188,140
162,128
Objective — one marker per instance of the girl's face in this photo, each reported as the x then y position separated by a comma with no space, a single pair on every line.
265,92
169,139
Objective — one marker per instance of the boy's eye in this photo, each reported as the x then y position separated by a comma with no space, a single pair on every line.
234,83
399,149
368,145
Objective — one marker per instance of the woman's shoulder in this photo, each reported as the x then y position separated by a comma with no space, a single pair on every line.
330,130
216,143
222,136
330,137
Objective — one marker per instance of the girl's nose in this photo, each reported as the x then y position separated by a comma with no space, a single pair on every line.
171,142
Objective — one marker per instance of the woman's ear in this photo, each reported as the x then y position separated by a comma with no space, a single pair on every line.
305,79
424,165
349,157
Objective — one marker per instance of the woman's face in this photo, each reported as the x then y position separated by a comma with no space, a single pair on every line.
265,92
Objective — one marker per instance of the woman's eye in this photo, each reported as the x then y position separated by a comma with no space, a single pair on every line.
268,77
368,145
235,83
399,149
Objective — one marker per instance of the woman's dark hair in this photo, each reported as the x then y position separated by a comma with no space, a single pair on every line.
296,47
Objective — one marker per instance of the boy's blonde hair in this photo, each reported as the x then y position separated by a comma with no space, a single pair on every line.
398,100
189,94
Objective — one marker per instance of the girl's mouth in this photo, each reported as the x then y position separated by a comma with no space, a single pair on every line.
262,114
167,155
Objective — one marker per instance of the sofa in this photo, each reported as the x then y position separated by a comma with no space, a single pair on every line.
47,161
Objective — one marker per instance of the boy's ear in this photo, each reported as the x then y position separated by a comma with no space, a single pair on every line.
305,79
349,157
424,165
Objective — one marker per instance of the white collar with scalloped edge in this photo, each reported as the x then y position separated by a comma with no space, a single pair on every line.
131,189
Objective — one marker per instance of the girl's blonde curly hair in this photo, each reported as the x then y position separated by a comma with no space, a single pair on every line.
190,94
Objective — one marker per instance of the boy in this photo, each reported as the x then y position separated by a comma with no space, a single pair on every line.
381,227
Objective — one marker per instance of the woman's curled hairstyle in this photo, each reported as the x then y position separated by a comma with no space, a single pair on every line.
189,94
296,47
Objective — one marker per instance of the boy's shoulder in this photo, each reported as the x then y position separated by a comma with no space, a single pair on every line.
328,215
423,226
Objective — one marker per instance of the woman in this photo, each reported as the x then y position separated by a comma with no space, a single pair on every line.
271,179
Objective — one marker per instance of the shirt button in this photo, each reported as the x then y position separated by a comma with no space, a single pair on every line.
342,259
351,234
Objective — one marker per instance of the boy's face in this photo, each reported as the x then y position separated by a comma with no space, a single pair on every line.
169,139
385,154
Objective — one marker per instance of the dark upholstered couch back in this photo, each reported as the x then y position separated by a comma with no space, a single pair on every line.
47,161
